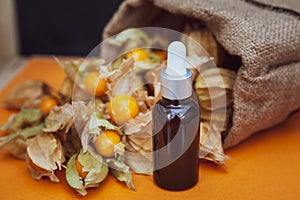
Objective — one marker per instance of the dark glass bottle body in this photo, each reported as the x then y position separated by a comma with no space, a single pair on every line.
175,143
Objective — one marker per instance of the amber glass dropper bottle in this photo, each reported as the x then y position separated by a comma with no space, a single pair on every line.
175,125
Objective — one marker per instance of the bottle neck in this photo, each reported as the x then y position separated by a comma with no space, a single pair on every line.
173,87
176,102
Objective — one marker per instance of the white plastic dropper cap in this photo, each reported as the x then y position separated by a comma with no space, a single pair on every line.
176,79
176,65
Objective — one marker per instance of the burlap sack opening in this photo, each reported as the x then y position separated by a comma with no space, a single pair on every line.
264,34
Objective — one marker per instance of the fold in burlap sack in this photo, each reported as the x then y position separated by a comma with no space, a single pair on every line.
265,37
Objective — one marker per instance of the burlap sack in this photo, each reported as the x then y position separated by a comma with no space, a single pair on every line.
265,37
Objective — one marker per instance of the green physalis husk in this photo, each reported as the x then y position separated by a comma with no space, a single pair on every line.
25,118
121,172
95,167
117,166
15,143
97,124
94,127
21,126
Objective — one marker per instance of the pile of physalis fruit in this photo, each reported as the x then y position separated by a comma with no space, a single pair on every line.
108,132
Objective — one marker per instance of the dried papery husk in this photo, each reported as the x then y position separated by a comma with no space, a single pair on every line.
25,94
211,93
216,77
149,63
53,93
211,144
15,143
82,115
201,35
30,93
103,108
91,163
60,120
94,165
159,41
221,118
82,112
219,115
72,143
85,138
129,39
71,67
92,64
95,126
129,83
214,89
139,124
75,67
144,101
89,67
25,124
79,94
198,63
140,163
44,151
67,87
23,119
121,172
77,71
214,103
140,96
116,75
138,133
215,71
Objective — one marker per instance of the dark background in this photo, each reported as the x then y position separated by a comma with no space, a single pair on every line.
62,27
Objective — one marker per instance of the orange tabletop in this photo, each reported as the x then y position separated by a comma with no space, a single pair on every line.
266,166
